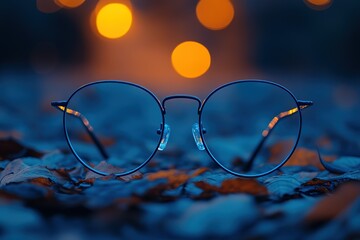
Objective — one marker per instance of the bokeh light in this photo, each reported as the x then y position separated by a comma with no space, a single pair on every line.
191,59
319,4
46,6
113,20
69,3
215,14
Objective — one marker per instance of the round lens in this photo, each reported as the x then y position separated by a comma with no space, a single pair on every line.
252,127
112,127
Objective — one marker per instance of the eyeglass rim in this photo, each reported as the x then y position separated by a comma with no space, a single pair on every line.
83,162
250,81
200,111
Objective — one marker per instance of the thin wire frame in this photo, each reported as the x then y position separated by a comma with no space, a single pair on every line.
162,108
114,82
251,81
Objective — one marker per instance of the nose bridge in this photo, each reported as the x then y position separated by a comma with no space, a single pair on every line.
181,96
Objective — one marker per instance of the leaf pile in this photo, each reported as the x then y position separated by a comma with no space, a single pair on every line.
51,188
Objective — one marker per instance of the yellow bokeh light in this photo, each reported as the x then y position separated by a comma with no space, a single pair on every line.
215,14
69,3
113,20
191,59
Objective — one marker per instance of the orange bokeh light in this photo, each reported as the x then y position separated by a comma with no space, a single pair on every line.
191,59
215,14
319,2
113,20
69,3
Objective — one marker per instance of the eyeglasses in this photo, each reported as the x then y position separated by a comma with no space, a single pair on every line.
249,128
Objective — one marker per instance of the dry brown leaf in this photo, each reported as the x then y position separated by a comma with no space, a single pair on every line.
304,157
175,177
206,187
162,174
318,186
235,185
278,148
333,205
199,171
42,181
300,157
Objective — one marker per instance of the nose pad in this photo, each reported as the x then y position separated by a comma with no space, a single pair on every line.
197,136
165,137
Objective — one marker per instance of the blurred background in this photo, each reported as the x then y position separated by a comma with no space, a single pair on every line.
50,47
79,41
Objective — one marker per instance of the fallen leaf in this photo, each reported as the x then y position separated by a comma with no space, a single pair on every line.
103,166
333,205
168,189
12,149
17,171
42,181
341,165
277,150
282,185
234,185
318,186
175,177
305,157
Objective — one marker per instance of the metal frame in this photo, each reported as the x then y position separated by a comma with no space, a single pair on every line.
247,81
300,104
65,104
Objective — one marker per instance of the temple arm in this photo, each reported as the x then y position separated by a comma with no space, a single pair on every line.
270,127
61,105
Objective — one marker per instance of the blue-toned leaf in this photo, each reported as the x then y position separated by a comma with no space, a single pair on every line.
18,171
282,185
341,165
